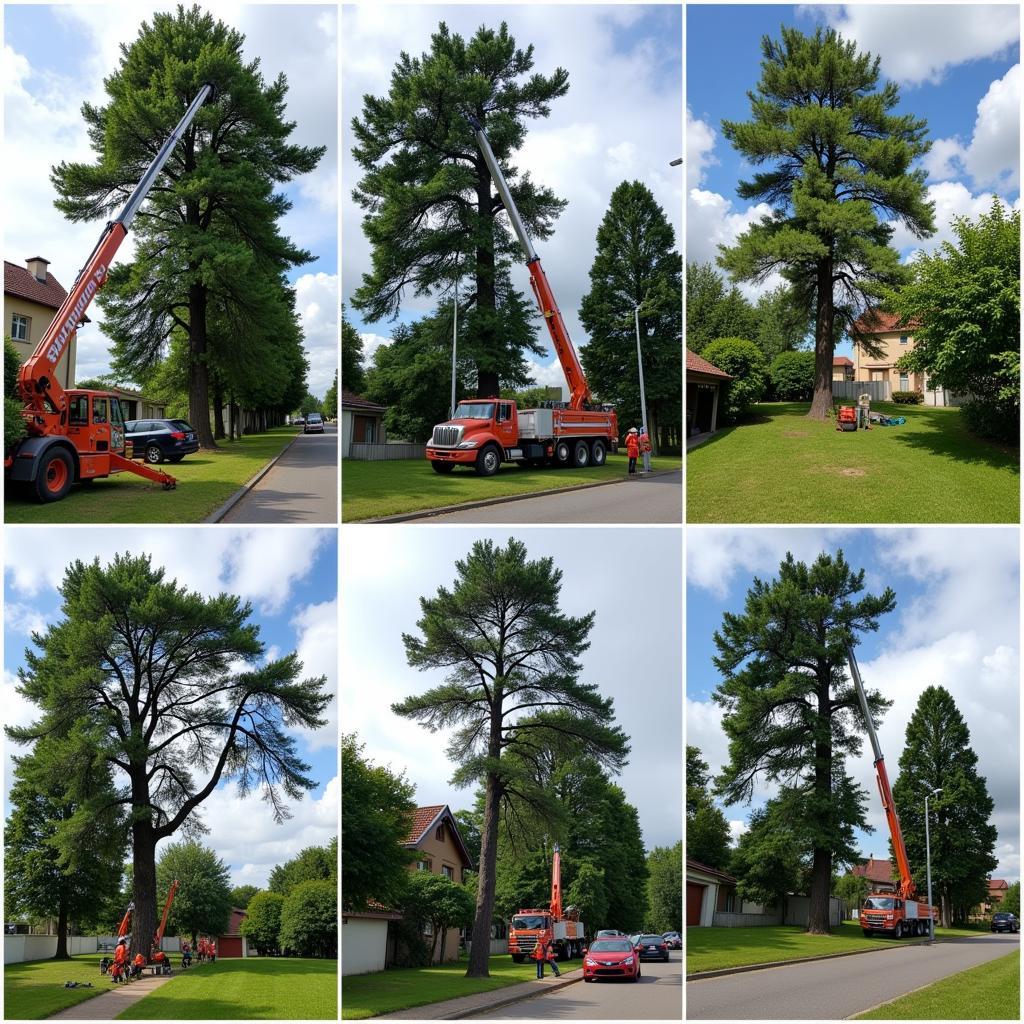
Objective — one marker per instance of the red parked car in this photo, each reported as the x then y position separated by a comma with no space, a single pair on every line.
611,958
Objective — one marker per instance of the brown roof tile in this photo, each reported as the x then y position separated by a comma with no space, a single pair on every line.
350,400
842,361
421,819
18,281
697,364
874,870
874,321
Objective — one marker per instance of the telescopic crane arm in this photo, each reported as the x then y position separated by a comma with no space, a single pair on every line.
556,885
906,888
126,921
159,937
37,380
579,390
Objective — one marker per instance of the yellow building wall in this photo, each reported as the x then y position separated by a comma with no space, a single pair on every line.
39,318
442,853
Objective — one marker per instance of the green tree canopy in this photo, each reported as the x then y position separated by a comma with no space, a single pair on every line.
14,425
792,376
431,214
743,361
790,712
330,402
353,374
665,889
262,927
242,894
636,264
838,177
852,889
202,904
314,863
713,309
707,830
1011,901
309,920
437,901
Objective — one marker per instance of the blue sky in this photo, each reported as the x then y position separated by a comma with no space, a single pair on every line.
957,66
290,577
956,624
43,94
620,120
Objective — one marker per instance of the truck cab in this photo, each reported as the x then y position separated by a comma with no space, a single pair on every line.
481,434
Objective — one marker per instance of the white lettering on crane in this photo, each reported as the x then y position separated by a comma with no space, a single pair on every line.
56,349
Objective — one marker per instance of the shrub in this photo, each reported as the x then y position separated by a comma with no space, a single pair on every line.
907,397
792,376
14,425
309,919
263,925
998,421
745,363
12,364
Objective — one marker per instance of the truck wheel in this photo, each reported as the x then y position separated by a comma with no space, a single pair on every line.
441,467
54,476
899,929
488,461
598,453
518,958
562,453
153,454
581,455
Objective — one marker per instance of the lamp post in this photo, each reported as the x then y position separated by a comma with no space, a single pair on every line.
455,336
928,864
640,365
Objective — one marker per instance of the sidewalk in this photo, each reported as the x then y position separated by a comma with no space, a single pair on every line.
110,1004
482,1002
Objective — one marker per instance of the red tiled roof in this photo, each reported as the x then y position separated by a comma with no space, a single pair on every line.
421,819
997,884
874,870
695,364
698,866
842,361
874,321
18,281
350,400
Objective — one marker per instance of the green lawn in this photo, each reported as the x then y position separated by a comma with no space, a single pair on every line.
35,989
250,989
368,995
988,992
372,489
781,467
205,481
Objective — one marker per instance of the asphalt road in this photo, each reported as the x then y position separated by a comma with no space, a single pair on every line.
656,996
838,988
657,500
301,488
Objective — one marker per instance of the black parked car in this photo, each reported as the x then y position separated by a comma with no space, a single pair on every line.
1004,921
651,947
159,440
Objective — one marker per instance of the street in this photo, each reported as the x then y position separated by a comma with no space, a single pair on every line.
301,488
657,500
841,987
656,996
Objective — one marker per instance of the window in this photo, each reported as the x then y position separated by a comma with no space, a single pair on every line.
99,410
904,382
20,327
423,865
903,339
448,872
440,833
78,411
504,412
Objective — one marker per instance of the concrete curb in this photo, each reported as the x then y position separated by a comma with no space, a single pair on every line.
404,517
702,975
497,1004
220,513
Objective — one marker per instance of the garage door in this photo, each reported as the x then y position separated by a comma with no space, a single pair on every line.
229,946
694,902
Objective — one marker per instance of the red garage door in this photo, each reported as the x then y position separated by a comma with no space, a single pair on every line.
694,902
229,946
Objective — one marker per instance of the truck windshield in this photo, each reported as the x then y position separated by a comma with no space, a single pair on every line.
529,922
475,410
879,903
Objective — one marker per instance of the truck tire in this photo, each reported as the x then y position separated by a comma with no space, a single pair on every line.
54,475
581,455
598,453
488,460
899,930
441,467
518,958
563,453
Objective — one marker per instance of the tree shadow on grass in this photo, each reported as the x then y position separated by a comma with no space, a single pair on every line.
951,441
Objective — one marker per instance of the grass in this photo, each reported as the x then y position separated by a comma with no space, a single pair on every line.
369,995
988,992
205,481
250,989
373,489
783,467
35,989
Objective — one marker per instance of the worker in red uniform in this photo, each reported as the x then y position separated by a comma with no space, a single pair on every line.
552,957
211,951
632,449
538,956
119,970
138,963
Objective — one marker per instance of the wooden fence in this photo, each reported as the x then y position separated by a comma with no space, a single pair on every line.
879,390
366,452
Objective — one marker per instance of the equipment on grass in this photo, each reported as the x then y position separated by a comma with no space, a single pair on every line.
846,418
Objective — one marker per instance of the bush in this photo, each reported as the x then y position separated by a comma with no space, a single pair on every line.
907,397
263,925
12,364
792,376
309,920
745,363
14,425
997,421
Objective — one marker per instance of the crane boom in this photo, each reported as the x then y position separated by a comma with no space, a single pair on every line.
579,389
556,885
906,888
126,921
158,938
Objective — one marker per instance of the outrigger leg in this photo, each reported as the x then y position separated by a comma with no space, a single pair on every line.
158,476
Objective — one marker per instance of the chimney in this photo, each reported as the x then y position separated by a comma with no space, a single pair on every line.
37,267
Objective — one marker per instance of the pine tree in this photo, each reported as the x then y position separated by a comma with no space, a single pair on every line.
636,265
208,234
353,373
841,163
707,831
937,755
791,714
431,212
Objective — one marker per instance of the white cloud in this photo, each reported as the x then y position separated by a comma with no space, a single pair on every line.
700,144
547,375
22,619
736,829
316,301
952,199
372,342
317,647
711,222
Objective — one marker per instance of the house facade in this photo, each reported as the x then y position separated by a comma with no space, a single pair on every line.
232,943
881,874
843,368
707,890
361,422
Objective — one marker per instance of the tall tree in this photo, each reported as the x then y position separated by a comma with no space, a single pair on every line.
937,754
242,894
707,830
512,661
209,232
714,310
791,714
173,693
203,901
665,888
782,322
636,265
431,211
353,373
839,182
330,403
312,864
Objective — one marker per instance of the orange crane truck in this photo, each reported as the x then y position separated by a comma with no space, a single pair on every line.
895,913
485,432
565,931
77,435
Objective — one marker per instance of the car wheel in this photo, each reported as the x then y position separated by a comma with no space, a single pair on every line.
581,455
563,453
598,453
488,461
54,476
153,454
441,467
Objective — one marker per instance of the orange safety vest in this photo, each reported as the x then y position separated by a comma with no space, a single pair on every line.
121,954
538,952
632,446
140,960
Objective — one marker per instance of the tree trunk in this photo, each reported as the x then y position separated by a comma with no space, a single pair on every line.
487,383
824,345
233,420
821,867
218,412
480,952
143,886
946,910
62,932
444,936
199,377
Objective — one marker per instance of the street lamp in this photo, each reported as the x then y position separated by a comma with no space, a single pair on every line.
640,365
928,865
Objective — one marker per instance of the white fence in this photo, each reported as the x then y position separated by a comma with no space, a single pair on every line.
362,450
798,908
730,920
20,948
879,390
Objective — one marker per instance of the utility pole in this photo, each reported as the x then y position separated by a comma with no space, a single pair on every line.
455,337
928,865
640,365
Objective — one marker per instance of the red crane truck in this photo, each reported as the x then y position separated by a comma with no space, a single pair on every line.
485,432
158,959
565,931
77,435
896,913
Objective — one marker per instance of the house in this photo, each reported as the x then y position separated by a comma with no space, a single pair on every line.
842,368
233,943
367,939
434,836
880,874
707,889
32,296
362,422
135,406
704,382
